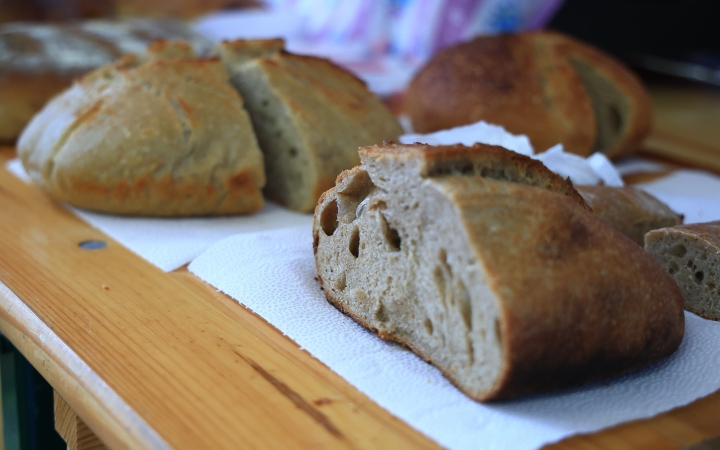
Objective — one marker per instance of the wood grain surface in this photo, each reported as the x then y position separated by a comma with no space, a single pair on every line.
77,435
149,359
686,123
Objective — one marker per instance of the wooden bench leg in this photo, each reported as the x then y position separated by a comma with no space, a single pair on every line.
77,435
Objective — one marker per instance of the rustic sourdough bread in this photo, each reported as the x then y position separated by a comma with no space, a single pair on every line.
691,255
631,211
309,115
550,87
492,268
160,136
38,61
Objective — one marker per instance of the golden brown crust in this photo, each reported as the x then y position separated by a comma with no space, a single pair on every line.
509,80
528,84
488,161
188,151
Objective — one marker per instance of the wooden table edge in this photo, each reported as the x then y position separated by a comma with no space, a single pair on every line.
118,427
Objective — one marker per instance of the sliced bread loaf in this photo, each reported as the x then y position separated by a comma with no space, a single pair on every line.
691,255
309,115
492,268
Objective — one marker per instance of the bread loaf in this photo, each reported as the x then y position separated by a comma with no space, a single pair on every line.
550,87
491,268
691,255
309,115
159,136
630,211
38,61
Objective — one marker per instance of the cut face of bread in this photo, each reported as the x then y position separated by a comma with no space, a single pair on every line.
691,255
611,107
491,268
309,116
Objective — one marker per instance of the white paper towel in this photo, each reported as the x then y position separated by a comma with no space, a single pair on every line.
273,273
693,193
172,243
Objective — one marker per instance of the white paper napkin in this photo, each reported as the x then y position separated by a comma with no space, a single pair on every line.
172,243
693,193
273,273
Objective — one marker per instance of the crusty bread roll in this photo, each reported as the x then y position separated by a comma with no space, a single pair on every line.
491,268
155,137
550,87
38,61
631,211
691,255
310,116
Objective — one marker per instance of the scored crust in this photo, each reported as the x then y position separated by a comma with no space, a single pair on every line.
160,135
508,287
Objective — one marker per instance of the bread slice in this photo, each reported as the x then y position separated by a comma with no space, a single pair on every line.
160,135
492,268
691,255
309,115
630,211
548,86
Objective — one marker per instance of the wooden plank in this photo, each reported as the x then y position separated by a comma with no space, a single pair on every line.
685,123
201,377
77,435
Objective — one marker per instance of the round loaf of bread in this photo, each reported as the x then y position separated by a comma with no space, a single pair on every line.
550,87
163,136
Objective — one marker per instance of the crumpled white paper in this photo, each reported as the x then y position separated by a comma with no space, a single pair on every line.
169,243
595,169
273,273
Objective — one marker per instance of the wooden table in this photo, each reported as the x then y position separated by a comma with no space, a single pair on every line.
140,358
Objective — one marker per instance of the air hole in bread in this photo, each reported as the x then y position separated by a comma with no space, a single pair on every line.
355,242
352,198
380,313
463,300
390,234
678,250
699,276
439,278
498,331
329,218
340,283
428,326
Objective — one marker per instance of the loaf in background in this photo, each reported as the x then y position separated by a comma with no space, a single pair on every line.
492,268
691,255
38,61
548,86
165,135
